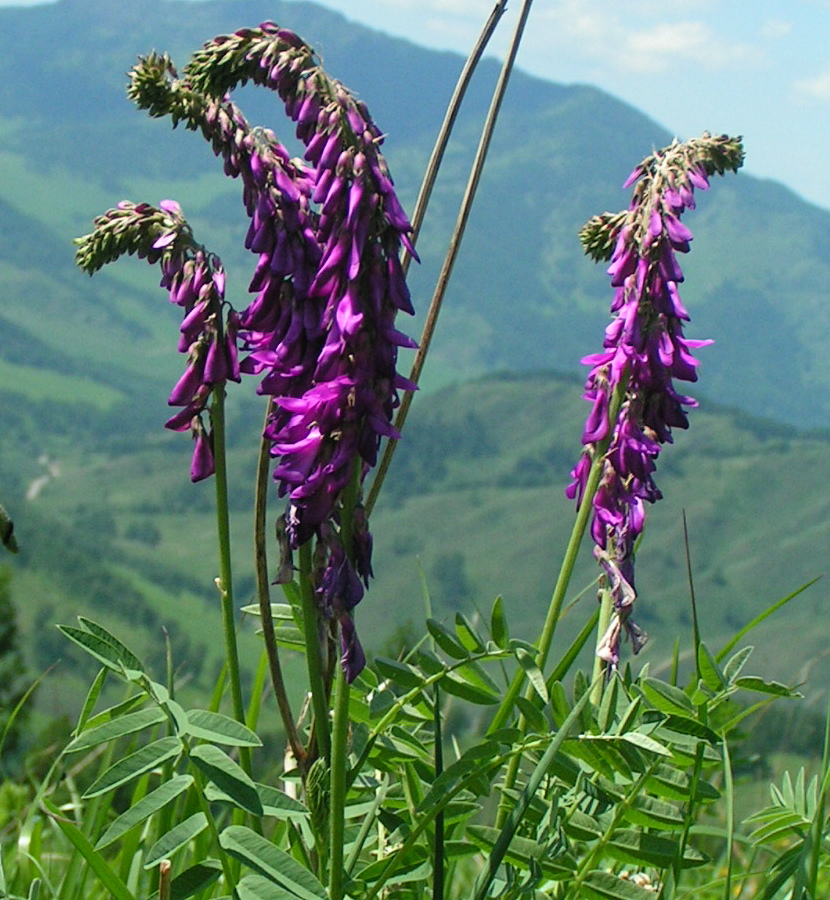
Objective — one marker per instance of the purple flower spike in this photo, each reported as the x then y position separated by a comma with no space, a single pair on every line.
327,234
195,281
644,350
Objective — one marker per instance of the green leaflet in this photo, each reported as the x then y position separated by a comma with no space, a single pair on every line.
644,849
100,644
94,860
271,862
127,724
145,808
227,776
143,760
446,640
220,729
605,886
179,836
667,698
522,850
195,879
255,887
534,674
498,624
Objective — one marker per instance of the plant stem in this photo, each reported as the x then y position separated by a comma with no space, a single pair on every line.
225,581
319,700
264,596
558,597
338,771
517,813
164,879
559,592
463,215
568,562
438,841
337,797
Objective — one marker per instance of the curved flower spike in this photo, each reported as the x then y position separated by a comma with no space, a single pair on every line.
644,351
195,281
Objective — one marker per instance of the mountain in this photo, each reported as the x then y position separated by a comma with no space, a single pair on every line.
522,297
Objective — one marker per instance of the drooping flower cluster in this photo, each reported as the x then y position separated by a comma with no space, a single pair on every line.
338,331
195,281
328,281
634,404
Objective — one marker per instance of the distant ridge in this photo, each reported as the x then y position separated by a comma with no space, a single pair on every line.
522,297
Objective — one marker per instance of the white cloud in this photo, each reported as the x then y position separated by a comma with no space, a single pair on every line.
776,28
656,48
638,36
816,88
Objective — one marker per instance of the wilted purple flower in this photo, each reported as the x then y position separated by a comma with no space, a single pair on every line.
634,404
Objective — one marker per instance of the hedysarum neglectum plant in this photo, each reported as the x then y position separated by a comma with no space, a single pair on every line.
328,284
382,808
634,403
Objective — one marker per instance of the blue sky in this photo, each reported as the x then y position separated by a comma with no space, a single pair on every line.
760,68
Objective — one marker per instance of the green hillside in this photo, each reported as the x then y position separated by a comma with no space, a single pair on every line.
475,502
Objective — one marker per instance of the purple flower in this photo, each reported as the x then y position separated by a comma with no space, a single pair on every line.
644,352
327,285
195,281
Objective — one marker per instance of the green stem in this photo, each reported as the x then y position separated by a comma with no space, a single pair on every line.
337,797
591,859
517,813
225,581
319,700
410,697
224,858
340,727
463,213
264,596
560,590
568,562
817,828
555,608
438,842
